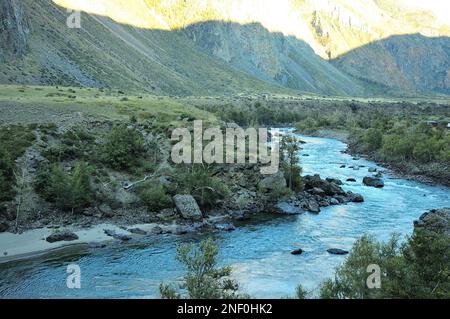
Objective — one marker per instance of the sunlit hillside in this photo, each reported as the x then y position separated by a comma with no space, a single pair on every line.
330,27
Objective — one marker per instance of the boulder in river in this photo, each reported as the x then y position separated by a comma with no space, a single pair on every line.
297,252
355,198
334,201
372,169
336,251
62,236
351,180
312,206
115,235
330,187
373,182
188,207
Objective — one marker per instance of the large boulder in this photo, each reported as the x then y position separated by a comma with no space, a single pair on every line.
373,182
312,206
272,182
355,198
62,236
435,220
330,187
187,207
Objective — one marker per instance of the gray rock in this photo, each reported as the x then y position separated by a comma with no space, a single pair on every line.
330,188
373,182
355,198
334,201
334,181
115,235
352,180
317,191
336,251
187,207
62,236
312,206
372,170
286,209
225,227
272,182
297,252
157,231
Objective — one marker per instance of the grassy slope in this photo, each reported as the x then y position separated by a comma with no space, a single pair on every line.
107,54
49,102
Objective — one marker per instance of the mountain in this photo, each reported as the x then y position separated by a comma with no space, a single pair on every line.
38,48
226,46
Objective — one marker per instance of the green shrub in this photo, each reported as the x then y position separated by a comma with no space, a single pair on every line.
418,269
123,148
301,293
290,162
198,182
74,144
6,176
203,279
67,191
154,197
279,194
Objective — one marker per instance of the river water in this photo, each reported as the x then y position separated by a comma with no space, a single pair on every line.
259,252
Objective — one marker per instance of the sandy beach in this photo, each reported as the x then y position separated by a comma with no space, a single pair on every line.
33,243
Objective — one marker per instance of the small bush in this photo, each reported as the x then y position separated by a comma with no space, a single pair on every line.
279,194
67,191
6,176
203,279
75,144
123,148
198,182
154,197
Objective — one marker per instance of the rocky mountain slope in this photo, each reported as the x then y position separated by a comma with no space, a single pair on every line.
39,48
217,47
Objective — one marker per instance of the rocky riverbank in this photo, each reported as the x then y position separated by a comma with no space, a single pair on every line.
430,173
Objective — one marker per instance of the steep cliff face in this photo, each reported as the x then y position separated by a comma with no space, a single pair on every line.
272,57
408,63
14,30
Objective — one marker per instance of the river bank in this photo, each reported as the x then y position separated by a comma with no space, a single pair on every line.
259,250
427,174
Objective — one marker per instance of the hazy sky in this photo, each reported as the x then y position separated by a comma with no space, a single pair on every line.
441,8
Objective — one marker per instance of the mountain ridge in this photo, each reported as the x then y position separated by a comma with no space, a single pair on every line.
172,51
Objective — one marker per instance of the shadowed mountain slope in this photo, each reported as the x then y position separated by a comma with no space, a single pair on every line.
188,57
